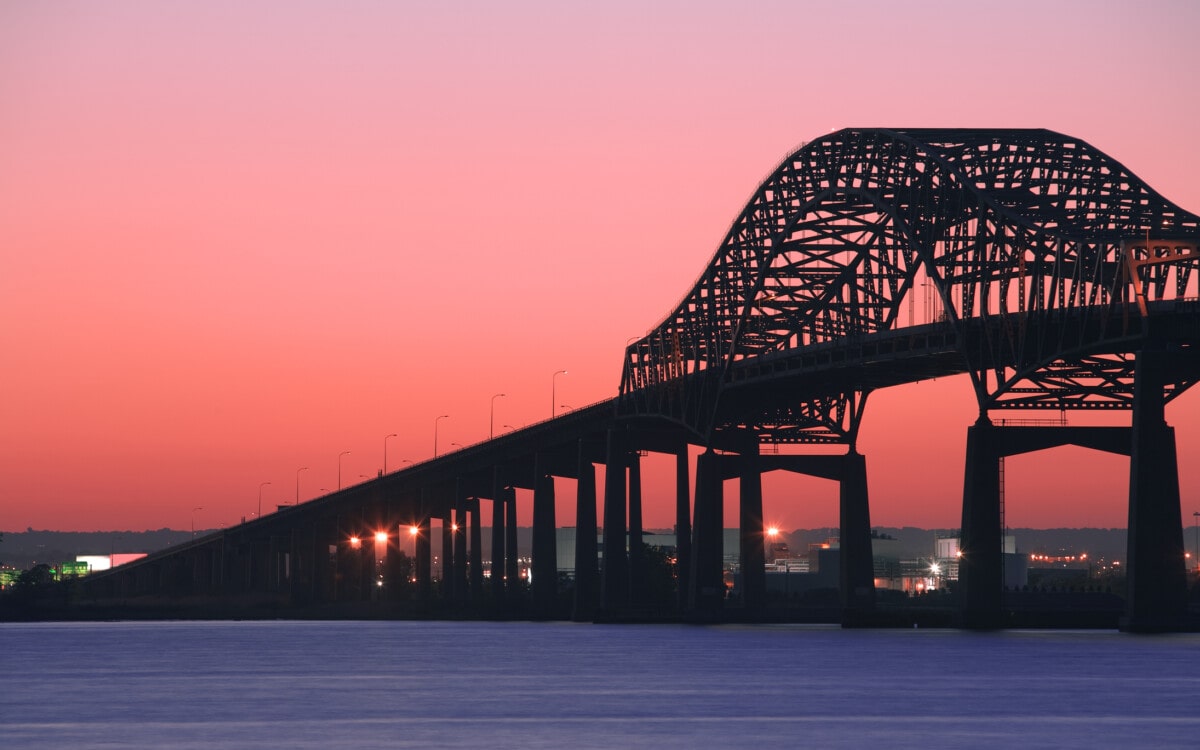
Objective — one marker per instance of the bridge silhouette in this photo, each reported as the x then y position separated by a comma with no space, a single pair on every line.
1055,279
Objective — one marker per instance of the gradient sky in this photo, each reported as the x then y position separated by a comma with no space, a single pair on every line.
237,239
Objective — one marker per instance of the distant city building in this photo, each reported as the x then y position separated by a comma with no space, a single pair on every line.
96,563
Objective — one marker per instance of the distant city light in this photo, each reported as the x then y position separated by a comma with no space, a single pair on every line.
355,541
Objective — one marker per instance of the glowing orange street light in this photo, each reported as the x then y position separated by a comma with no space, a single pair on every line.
381,537
414,530
355,542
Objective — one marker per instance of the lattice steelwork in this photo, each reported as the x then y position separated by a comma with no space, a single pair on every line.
1041,252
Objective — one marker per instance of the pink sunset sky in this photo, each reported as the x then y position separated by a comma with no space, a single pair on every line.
238,239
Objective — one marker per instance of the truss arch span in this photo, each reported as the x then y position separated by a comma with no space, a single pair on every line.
988,225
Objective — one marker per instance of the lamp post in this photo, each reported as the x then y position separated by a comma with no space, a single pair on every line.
302,468
194,520
340,469
492,417
553,398
385,439
264,484
435,432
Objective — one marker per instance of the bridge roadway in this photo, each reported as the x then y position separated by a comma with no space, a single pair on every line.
1063,280
306,554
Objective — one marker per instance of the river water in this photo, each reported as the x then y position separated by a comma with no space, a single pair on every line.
556,685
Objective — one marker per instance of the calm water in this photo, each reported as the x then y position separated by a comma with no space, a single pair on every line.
500,685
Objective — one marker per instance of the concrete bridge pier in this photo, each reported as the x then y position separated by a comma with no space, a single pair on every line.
585,539
856,576
447,572
858,564
981,565
458,531
683,527
637,548
512,571
325,562
475,557
707,592
750,530
545,553
497,580
614,576
1157,571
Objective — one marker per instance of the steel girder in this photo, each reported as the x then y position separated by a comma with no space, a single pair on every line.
1056,248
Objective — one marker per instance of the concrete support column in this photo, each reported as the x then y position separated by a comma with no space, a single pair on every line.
585,539
476,553
447,555
981,566
545,551
460,550
683,527
318,564
708,582
857,582
326,562
512,572
750,529
424,562
637,552
1157,571
497,581
615,573
296,566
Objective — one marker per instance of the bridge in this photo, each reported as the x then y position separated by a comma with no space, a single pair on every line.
1058,281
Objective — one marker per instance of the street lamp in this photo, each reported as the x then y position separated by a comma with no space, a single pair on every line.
302,468
194,520
264,484
553,399
492,416
340,469
385,439
435,432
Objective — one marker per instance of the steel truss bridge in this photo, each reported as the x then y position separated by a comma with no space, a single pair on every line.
1045,270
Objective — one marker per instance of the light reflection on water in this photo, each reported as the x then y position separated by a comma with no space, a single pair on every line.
559,685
